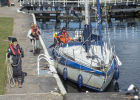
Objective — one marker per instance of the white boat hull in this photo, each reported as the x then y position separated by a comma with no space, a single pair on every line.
90,80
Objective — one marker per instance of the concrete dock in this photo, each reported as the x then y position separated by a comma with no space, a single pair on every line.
41,87
33,85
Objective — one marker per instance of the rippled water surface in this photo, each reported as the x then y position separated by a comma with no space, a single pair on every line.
124,34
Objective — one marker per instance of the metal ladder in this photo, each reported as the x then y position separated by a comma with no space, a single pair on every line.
43,72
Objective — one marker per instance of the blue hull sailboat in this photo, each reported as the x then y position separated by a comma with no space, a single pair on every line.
88,61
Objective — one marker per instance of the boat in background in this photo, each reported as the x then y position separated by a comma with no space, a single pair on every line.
88,60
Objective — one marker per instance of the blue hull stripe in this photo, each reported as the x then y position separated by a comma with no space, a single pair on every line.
79,43
112,67
78,66
73,64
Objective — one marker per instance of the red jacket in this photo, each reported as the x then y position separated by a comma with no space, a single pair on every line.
13,52
35,32
63,37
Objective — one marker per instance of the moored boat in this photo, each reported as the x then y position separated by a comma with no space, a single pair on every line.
87,60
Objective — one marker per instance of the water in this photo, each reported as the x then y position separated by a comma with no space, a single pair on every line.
123,33
127,42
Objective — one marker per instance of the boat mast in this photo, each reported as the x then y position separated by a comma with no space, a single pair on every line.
87,28
99,25
87,19
99,19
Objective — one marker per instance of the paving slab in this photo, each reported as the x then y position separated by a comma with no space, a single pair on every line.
40,87
34,86
98,96
47,96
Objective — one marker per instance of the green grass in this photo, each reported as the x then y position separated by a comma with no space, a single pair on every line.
6,28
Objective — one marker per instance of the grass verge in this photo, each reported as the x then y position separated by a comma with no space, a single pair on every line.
6,28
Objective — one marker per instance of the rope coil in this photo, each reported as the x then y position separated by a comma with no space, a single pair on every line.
10,78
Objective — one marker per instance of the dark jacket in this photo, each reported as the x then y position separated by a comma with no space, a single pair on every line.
10,52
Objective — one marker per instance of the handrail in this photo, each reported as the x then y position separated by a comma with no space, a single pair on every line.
59,83
38,61
76,1
73,1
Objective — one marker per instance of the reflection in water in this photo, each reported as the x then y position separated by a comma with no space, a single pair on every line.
116,86
124,33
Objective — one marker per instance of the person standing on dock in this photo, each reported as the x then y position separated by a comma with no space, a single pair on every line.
33,35
16,52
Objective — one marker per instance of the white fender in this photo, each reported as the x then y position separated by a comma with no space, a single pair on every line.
131,87
118,61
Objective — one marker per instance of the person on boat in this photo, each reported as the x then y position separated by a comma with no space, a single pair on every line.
61,37
15,52
33,34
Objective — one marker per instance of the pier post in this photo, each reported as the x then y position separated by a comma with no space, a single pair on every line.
31,3
78,3
53,3
109,1
42,2
115,2
39,3
127,2
20,3
64,3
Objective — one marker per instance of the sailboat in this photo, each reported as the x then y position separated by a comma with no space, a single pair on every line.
88,61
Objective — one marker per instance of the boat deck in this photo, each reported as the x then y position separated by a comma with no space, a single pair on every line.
78,54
